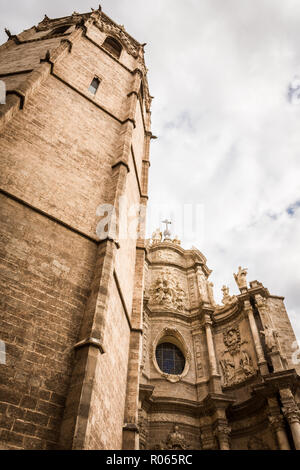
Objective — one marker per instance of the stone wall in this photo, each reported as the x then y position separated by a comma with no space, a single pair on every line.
64,152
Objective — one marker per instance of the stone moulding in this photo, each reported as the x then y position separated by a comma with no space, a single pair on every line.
172,335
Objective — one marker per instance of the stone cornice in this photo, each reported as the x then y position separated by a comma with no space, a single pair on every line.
272,383
192,258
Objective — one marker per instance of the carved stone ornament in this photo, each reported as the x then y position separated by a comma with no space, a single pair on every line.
291,412
232,339
167,291
276,422
156,237
255,443
172,335
227,298
108,27
270,335
237,364
260,301
223,430
241,278
143,429
175,440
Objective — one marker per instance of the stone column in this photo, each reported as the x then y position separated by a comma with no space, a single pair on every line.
292,414
213,367
211,348
222,433
277,425
262,363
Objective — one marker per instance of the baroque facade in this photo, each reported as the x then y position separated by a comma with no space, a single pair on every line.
108,342
237,386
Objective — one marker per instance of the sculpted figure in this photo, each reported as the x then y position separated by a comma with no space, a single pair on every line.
202,283
167,291
226,297
241,278
210,288
270,337
156,236
228,368
176,440
246,363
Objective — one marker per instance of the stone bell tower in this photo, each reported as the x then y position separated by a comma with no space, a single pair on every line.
74,137
214,376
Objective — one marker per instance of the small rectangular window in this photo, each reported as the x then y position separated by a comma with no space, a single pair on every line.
94,85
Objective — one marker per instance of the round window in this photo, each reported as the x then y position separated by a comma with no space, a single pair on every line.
170,359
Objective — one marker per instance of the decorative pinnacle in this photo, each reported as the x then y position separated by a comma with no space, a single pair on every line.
8,32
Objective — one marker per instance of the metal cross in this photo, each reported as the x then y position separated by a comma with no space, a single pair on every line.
167,222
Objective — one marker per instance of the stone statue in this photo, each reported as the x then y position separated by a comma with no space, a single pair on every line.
241,278
270,337
210,288
202,283
176,440
156,236
226,297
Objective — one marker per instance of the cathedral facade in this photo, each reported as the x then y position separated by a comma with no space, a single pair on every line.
109,341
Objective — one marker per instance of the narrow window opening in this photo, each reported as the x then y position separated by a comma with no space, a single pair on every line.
113,46
142,92
94,85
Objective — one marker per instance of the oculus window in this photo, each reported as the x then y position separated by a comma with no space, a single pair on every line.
170,359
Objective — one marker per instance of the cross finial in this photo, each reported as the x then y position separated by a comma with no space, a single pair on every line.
167,232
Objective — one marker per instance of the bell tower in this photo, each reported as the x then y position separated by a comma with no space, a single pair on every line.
74,138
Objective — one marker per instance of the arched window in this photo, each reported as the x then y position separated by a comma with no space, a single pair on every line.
59,30
169,358
112,46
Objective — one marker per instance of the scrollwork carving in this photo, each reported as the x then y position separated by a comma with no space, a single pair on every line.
237,364
291,412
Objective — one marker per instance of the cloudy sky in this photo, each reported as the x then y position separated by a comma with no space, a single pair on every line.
228,136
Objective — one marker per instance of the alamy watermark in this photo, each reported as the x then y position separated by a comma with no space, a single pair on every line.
2,92
128,221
